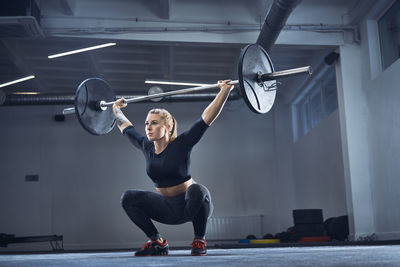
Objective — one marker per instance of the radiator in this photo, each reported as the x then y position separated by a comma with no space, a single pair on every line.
234,227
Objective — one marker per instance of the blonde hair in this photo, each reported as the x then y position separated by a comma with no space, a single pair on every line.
168,120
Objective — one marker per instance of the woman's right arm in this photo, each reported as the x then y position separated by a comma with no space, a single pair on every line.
121,120
123,123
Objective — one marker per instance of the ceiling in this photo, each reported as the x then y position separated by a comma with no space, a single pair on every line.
201,41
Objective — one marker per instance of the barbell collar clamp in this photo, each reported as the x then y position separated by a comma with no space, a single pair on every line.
101,105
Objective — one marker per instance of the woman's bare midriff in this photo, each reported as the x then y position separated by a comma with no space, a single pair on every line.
176,189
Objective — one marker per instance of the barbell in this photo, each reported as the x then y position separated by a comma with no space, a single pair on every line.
257,81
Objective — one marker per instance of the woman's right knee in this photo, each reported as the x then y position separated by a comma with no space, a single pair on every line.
131,198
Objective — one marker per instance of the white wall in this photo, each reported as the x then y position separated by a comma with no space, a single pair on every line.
355,134
369,100
383,99
318,169
310,171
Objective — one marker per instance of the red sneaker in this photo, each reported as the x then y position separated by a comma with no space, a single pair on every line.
153,248
199,247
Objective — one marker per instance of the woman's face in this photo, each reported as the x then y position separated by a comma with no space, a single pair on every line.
155,127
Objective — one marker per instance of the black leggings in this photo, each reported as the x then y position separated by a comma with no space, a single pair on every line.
194,205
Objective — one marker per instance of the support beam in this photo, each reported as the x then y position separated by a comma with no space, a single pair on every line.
24,65
170,63
183,32
164,6
354,126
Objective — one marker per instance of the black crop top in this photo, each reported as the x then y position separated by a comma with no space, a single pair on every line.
170,167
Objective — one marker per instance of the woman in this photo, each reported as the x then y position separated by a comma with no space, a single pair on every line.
179,199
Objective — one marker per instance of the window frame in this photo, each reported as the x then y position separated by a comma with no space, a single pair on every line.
373,36
302,126
382,42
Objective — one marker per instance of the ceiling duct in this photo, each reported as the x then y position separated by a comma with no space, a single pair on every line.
49,99
275,21
41,99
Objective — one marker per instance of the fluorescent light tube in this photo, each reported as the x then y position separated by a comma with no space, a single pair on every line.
81,50
175,83
25,93
17,81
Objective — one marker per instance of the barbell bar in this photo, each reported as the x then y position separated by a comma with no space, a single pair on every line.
257,80
262,77
103,105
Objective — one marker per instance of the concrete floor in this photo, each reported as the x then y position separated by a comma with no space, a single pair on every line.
288,256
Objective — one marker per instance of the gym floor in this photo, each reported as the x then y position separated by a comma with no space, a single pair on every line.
388,255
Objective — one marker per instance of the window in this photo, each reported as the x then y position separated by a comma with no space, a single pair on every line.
315,108
330,92
389,35
316,104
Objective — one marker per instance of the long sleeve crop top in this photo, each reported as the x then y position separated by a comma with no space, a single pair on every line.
171,166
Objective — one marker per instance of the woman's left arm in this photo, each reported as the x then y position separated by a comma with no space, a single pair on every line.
214,109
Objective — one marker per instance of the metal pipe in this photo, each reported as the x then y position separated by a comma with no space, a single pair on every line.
22,100
39,99
274,22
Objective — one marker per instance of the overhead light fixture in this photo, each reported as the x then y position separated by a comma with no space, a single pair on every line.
17,81
81,50
175,83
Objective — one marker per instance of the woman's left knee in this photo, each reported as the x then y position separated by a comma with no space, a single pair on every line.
197,198
197,191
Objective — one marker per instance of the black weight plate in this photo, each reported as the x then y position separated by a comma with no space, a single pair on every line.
259,97
302,216
92,118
